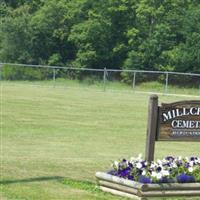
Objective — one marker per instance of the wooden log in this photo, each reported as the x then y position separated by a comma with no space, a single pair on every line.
170,193
149,195
153,197
118,187
171,186
120,193
121,181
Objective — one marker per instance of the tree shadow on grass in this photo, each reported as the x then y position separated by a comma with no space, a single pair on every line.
88,186
28,180
76,184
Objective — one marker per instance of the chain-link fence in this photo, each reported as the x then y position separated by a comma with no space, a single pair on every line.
102,79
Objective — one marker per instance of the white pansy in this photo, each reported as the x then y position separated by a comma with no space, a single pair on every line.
165,172
152,165
139,165
190,169
159,162
154,174
174,165
144,173
191,163
159,176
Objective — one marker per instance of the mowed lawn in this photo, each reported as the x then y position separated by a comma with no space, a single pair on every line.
53,140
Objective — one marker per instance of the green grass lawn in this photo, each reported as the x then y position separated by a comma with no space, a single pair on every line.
98,85
53,140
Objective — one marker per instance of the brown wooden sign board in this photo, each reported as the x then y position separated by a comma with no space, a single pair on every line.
178,121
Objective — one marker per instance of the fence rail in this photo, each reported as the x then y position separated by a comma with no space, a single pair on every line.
108,74
100,70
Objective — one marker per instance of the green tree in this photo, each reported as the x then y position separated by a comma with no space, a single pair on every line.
15,36
128,34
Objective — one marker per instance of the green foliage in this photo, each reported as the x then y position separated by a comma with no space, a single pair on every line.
123,34
55,59
24,73
16,37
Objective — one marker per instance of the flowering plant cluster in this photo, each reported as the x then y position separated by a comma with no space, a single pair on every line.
167,170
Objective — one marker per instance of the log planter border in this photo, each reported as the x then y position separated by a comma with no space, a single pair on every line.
136,190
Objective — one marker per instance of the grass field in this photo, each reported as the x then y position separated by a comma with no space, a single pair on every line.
153,86
53,140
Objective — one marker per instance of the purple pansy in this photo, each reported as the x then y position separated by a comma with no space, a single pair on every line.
144,179
184,178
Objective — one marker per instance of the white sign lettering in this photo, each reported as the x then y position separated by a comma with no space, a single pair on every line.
179,112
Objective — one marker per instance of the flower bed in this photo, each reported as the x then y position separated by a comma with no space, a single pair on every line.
136,178
167,170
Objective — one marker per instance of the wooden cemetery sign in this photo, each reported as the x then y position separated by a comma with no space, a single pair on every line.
179,121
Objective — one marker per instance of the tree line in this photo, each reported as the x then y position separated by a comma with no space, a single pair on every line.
121,34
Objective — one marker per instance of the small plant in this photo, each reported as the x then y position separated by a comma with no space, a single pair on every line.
167,170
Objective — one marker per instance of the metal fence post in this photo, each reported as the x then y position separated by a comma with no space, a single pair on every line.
134,79
1,66
54,76
104,79
166,82
199,89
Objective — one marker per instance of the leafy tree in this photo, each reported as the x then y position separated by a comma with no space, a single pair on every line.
16,37
127,34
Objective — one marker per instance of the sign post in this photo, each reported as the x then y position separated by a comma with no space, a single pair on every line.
151,127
